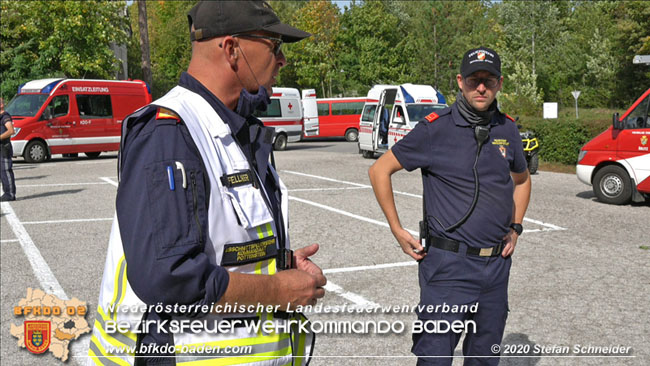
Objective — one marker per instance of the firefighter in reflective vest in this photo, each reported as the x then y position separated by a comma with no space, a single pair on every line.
200,232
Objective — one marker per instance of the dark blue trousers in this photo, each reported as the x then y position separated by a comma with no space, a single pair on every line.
6,171
448,278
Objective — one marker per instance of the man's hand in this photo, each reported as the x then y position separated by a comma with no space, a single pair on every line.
302,262
409,244
298,287
511,241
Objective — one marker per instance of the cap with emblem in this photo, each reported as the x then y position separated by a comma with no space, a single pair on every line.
480,59
220,18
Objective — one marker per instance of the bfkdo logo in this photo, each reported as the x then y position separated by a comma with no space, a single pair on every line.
37,335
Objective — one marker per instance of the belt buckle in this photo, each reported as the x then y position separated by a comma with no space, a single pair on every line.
486,252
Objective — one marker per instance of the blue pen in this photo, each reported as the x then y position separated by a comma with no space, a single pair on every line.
170,175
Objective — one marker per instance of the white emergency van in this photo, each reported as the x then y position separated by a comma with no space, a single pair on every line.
391,112
287,113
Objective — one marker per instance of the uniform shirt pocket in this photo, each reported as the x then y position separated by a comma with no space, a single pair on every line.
177,198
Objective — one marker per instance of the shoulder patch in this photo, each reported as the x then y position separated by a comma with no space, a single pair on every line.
164,113
510,118
432,117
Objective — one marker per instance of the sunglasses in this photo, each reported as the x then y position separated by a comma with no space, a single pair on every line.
277,42
475,82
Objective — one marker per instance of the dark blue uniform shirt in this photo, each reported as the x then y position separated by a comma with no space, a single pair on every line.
445,151
163,232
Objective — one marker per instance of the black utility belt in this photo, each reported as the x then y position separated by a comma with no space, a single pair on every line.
453,246
237,254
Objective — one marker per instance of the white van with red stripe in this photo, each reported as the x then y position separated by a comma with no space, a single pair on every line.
66,116
401,106
287,113
617,162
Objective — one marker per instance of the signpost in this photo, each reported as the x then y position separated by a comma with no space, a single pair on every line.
576,94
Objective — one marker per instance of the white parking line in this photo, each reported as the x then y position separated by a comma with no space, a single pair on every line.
325,189
59,184
9,240
346,182
355,298
65,221
365,268
109,180
41,270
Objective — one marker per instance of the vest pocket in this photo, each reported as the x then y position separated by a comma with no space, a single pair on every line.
249,205
177,200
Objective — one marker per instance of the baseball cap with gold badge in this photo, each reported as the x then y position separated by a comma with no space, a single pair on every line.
219,18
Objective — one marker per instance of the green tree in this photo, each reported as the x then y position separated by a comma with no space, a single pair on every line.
314,59
59,39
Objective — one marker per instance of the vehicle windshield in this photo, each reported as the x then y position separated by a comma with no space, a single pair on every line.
26,105
416,112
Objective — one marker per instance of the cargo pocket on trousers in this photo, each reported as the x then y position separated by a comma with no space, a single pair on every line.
177,197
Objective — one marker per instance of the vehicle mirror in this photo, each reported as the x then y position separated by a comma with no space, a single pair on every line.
618,125
398,119
47,113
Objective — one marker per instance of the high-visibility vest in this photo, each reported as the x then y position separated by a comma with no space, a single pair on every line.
236,214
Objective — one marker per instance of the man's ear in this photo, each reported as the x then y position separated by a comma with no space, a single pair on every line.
231,53
459,80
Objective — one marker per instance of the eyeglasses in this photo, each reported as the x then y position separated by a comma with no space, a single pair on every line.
277,42
475,82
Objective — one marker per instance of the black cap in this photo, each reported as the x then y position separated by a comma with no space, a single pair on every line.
220,18
480,59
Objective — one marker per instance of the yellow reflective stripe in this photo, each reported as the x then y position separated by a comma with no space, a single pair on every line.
258,267
269,229
113,358
271,266
129,335
260,234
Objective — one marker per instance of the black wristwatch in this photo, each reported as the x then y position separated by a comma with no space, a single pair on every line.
517,228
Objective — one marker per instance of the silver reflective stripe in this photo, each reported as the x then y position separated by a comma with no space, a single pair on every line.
99,356
117,335
120,279
254,349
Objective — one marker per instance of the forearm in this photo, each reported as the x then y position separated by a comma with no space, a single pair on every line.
380,178
521,198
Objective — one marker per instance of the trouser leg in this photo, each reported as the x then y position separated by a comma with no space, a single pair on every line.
7,173
491,316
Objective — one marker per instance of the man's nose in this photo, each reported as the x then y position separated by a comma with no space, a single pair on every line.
280,59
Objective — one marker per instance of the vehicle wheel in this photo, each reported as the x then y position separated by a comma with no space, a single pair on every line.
367,154
612,185
280,142
35,152
93,155
351,135
533,163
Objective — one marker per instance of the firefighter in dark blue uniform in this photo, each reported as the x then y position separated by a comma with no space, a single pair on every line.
476,191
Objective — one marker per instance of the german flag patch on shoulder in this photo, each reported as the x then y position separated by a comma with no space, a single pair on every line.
432,117
164,113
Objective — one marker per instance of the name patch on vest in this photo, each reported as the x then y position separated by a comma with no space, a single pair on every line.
252,251
237,179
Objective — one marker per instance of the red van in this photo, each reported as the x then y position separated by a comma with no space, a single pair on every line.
66,116
339,117
617,162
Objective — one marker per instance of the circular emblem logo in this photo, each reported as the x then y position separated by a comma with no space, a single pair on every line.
481,56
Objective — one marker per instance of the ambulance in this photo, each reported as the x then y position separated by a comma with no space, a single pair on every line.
290,115
398,108
67,116
617,162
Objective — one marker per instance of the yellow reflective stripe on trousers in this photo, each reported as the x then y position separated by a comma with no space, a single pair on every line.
262,349
120,284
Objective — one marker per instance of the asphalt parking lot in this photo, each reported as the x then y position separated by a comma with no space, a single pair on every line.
579,277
